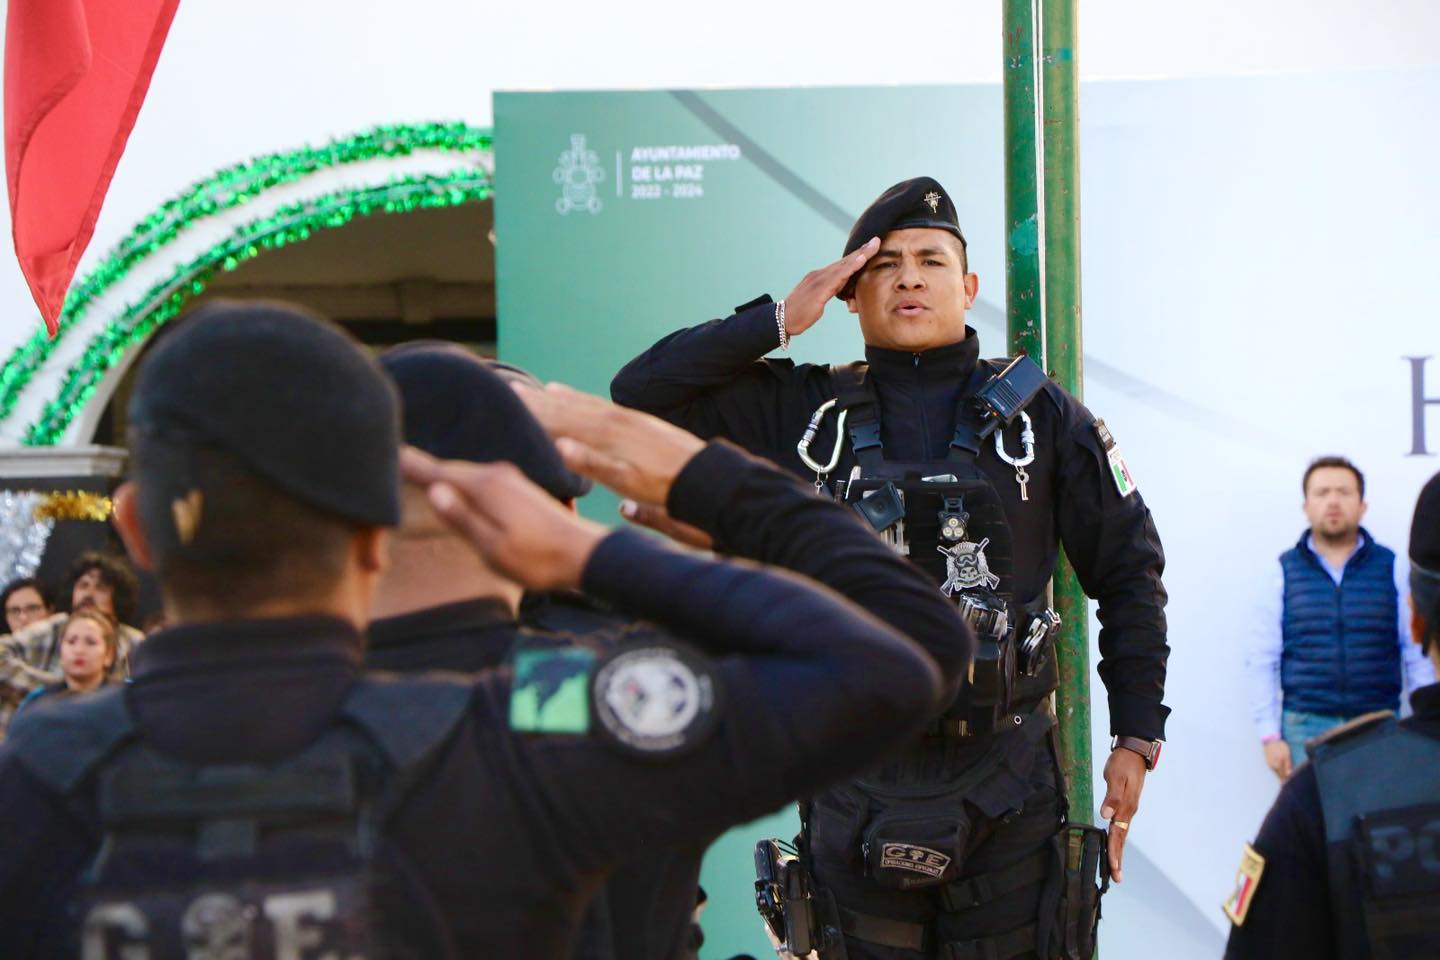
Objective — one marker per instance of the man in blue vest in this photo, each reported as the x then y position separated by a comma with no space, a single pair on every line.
1345,864
1333,643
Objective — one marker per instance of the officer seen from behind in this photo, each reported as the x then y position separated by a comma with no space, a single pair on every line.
1347,862
978,471
442,608
252,794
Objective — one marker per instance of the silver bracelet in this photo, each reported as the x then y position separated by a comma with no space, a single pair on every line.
780,324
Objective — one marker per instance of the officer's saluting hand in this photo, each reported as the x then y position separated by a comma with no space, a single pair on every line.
518,528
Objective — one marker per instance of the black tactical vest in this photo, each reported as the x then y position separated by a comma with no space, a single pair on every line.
1380,790
948,519
249,861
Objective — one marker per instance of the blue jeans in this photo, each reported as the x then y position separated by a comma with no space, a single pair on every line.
1297,727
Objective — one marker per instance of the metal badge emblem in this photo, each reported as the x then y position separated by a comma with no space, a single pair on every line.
933,199
655,701
966,568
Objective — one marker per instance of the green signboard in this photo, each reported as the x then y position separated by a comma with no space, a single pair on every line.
622,216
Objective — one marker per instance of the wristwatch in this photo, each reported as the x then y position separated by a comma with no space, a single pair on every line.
1149,750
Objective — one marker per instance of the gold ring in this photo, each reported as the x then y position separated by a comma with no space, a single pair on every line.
1122,824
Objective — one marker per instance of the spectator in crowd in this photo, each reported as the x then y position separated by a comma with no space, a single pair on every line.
30,658
87,653
1332,642
24,601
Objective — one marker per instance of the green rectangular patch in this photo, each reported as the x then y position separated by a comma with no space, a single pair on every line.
551,690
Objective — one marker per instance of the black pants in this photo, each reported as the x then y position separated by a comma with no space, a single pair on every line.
1001,843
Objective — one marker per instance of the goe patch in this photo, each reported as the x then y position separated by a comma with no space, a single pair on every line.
657,700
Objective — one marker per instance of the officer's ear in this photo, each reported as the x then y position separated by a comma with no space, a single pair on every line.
972,289
1418,626
126,514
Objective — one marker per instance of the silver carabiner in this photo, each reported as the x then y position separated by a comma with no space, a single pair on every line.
803,447
1027,443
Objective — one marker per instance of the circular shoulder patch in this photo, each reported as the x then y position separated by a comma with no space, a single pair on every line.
657,700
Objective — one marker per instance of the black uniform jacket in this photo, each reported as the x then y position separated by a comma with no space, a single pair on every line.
710,379
510,832
757,513
1291,912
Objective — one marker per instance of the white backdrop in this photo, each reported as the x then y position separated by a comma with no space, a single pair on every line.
1259,263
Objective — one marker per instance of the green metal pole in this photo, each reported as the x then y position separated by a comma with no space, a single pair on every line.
1061,243
1023,283
1042,220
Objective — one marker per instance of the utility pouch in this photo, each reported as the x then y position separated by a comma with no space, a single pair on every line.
1086,878
992,683
881,508
915,845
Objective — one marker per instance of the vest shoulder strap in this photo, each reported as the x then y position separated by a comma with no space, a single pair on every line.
409,718
59,743
855,396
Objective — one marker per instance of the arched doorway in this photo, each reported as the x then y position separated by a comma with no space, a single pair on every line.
246,229
387,231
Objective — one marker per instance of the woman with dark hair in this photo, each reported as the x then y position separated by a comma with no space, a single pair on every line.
30,657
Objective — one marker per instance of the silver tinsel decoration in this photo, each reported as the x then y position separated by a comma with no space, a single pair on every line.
22,537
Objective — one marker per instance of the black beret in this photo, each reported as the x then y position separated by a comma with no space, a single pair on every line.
291,396
458,406
1425,550
921,202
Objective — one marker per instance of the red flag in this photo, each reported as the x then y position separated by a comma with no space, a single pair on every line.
76,72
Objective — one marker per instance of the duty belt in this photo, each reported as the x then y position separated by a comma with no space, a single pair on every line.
952,728
961,895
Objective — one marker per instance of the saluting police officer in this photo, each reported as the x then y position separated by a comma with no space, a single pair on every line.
1347,862
252,794
977,470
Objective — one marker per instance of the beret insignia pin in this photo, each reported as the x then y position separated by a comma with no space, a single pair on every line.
933,199
186,513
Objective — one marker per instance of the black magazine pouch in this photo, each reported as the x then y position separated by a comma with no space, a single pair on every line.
1085,878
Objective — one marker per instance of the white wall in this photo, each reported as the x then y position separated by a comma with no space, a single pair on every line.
235,81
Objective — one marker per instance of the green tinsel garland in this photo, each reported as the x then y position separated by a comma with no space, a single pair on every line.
290,224
224,190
